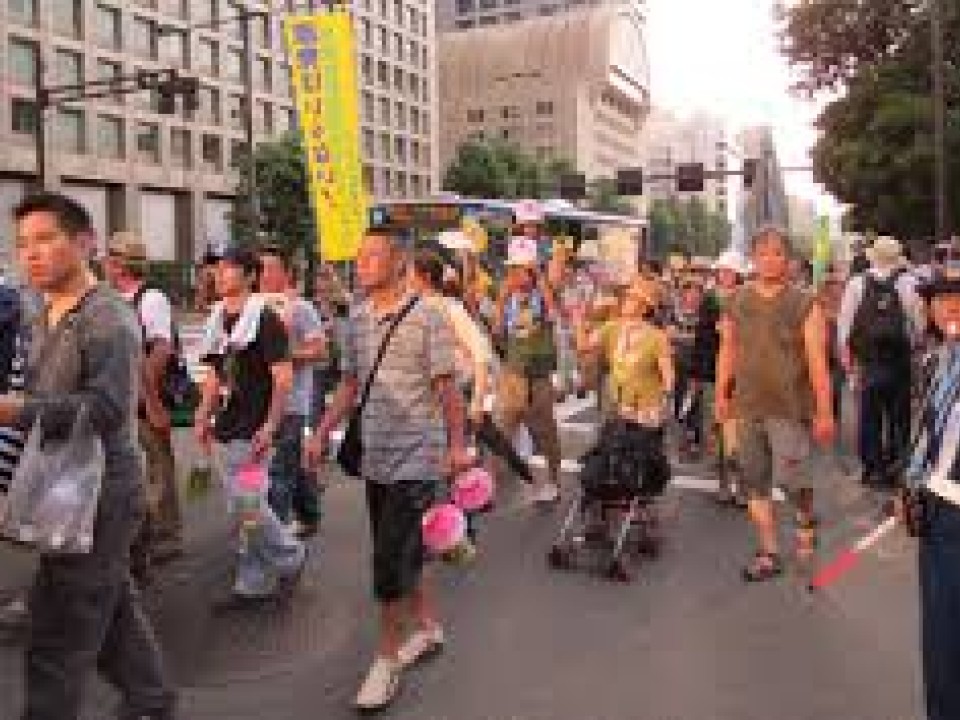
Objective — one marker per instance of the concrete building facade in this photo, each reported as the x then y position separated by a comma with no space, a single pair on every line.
573,86
467,14
174,177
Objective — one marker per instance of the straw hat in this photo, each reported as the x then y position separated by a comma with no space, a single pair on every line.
127,246
885,252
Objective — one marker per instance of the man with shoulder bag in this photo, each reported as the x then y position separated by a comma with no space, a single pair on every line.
84,361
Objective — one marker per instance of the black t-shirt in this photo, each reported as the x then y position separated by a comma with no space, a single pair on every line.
245,377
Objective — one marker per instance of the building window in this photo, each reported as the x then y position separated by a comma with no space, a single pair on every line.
386,150
368,179
236,111
415,120
513,17
110,137
265,118
366,69
67,18
548,10
23,12
415,152
464,24
264,79
384,42
488,20
181,152
475,116
545,107
424,90
211,150
386,188
289,119
283,82
383,74
173,48
509,112
488,4
264,32
206,60
426,159
400,150
402,184
233,67
204,11
143,38
398,46
398,12
109,70
398,79
384,111
69,67
369,146
238,153
414,15
424,63
23,117
209,105
366,106
366,32
22,62
414,86
416,185
148,143
400,111
426,123
70,131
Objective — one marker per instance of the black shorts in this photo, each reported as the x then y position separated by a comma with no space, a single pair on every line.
398,551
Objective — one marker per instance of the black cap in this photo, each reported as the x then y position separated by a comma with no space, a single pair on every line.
944,285
244,259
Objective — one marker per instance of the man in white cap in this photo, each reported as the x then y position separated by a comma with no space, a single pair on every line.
880,321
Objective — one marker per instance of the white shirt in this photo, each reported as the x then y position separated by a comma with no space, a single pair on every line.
910,299
156,315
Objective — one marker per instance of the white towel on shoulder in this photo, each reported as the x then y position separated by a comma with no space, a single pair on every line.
216,341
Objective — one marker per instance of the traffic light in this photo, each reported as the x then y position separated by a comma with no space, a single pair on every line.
750,168
630,182
573,187
690,177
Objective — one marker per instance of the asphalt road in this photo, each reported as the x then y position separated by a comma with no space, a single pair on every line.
687,640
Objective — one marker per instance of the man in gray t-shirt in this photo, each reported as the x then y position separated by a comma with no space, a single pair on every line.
293,494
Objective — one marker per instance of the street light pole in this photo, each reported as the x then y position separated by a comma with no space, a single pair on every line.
939,121
40,132
250,196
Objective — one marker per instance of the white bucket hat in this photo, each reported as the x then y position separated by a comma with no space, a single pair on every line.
455,240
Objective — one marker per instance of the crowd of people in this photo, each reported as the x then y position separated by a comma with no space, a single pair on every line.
436,373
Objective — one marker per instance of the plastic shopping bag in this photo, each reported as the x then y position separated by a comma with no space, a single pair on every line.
53,497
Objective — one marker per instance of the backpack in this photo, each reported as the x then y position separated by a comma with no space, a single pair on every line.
879,329
10,329
178,391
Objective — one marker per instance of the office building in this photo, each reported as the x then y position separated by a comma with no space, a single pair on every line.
455,15
573,86
174,177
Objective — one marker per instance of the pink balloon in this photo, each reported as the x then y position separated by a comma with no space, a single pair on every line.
251,478
444,527
473,490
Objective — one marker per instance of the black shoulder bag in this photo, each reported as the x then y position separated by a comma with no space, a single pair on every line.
350,452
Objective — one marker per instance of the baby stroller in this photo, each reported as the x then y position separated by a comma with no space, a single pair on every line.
613,516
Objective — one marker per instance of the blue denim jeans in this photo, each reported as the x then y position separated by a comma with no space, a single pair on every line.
292,491
940,609
270,552
884,415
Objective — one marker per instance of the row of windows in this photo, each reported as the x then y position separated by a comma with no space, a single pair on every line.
542,108
109,138
465,7
404,16
387,182
393,113
396,149
401,49
416,87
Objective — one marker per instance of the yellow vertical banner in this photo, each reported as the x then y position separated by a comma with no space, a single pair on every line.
323,68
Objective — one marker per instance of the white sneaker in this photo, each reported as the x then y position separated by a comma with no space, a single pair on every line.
381,686
546,494
421,645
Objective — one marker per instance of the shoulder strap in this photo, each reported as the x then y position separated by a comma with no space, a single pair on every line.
388,336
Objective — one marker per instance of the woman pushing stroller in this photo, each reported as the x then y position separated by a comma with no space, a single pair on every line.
628,467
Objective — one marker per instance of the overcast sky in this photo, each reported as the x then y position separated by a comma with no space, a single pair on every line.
721,57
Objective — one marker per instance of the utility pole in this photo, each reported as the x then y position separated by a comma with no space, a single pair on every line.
40,132
250,196
939,102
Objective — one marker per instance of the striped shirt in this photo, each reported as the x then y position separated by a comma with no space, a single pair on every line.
403,430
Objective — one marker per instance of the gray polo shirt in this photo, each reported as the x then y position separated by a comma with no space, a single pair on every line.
403,431
304,325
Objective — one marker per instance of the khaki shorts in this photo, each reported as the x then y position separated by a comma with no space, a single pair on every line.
773,452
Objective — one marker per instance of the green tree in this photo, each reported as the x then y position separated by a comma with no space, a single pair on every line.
285,211
876,149
479,170
603,198
687,227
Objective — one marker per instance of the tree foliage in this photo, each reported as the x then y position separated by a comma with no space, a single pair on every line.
285,211
876,150
688,227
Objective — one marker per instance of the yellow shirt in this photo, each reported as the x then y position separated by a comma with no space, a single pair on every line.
633,355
